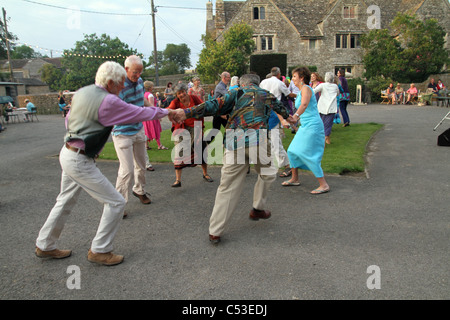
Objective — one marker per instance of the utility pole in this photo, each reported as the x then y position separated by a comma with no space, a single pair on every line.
155,50
7,46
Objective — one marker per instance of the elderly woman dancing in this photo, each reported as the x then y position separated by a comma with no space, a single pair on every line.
183,100
327,104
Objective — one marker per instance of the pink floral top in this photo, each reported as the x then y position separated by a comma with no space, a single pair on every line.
199,93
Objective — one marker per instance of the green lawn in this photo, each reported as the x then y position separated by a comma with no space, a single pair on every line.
344,154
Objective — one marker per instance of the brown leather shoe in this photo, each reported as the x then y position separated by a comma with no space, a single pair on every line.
106,259
144,199
53,254
214,239
259,214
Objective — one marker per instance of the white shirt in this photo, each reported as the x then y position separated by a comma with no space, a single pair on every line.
275,86
327,102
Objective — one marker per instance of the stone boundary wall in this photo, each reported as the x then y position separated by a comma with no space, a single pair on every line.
45,103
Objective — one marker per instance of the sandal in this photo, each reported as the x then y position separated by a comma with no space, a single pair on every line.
319,191
208,178
290,184
286,173
162,148
176,184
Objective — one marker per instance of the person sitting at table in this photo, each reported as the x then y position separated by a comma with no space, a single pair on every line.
433,86
441,88
412,93
31,108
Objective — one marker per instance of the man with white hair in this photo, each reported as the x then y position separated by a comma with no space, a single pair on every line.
95,110
129,139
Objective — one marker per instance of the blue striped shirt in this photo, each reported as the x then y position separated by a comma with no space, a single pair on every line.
132,93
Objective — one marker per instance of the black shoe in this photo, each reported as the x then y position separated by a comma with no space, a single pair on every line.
177,184
208,178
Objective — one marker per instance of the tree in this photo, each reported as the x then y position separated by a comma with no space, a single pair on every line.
412,51
232,54
24,52
81,63
423,46
381,48
52,76
176,58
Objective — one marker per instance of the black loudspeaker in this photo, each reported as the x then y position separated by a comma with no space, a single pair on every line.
444,139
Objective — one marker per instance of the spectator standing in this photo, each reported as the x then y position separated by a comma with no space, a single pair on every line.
344,98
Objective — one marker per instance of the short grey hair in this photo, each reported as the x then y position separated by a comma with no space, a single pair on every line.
108,71
180,87
329,77
234,81
275,71
248,79
133,60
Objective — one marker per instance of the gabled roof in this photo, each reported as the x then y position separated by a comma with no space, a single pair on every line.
231,9
305,15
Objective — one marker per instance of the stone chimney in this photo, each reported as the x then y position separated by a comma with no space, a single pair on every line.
209,11
220,17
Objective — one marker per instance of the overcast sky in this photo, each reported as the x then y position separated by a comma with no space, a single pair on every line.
57,24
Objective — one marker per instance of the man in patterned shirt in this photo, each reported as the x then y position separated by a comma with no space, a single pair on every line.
246,140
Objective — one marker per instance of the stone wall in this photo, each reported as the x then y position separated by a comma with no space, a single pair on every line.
45,103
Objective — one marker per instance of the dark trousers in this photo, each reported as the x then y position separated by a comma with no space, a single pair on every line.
343,110
218,121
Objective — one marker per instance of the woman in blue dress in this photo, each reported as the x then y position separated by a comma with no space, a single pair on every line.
307,147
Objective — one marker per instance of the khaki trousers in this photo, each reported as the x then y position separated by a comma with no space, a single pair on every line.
232,181
131,152
80,172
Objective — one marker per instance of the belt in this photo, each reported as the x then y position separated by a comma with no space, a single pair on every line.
78,150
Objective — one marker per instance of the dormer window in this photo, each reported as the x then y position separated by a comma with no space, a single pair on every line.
349,12
259,13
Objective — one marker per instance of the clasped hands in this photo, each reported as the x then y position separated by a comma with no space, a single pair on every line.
290,120
177,115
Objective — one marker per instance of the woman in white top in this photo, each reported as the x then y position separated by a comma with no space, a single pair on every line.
327,104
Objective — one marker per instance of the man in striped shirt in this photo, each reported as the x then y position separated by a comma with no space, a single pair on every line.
129,139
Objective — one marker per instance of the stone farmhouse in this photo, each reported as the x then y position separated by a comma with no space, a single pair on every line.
321,33
27,75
